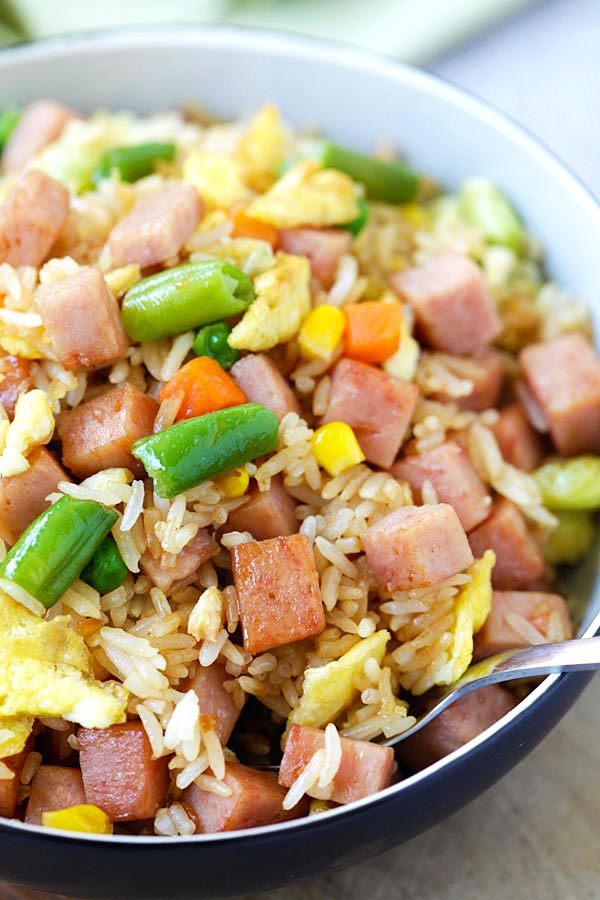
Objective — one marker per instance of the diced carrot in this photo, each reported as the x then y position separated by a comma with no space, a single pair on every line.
372,330
206,387
246,226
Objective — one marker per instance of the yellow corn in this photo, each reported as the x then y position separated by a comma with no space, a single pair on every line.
90,819
416,215
233,484
321,332
335,448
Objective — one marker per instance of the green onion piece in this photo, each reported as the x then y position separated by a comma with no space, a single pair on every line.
53,551
106,570
184,298
356,225
482,204
211,341
571,540
570,484
132,163
8,120
387,181
197,450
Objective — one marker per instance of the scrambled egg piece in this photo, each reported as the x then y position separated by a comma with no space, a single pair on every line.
33,424
45,671
206,618
14,731
217,178
472,608
282,302
307,195
263,148
329,690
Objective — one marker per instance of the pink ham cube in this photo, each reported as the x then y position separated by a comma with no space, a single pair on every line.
31,219
262,382
536,608
266,514
519,560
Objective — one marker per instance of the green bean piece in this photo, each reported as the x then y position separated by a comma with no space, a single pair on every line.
106,570
8,121
197,450
356,225
570,484
53,551
132,163
184,298
489,210
211,341
571,540
389,181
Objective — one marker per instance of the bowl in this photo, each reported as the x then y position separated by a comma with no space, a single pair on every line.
356,98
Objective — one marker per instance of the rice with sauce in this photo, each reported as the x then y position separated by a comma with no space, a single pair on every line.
152,640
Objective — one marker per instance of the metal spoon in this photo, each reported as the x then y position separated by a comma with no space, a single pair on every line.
524,662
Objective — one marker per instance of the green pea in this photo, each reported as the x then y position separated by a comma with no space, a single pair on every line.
570,484
212,341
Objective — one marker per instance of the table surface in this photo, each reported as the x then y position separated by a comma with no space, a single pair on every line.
535,833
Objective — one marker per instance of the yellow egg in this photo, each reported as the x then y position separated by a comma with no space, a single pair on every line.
308,195
330,689
218,178
262,148
282,302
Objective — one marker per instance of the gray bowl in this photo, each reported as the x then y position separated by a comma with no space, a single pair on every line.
357,99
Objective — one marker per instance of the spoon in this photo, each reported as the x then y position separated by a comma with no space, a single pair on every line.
523,662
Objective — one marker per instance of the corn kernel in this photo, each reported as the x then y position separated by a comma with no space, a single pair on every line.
335,448
233,484
416,215
120,280
403,364
321,332
86,818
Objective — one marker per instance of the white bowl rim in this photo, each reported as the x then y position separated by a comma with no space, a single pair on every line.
312,48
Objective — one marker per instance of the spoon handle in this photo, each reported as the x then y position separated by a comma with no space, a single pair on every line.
525,662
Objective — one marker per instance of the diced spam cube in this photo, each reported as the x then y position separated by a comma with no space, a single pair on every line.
377,407
31,219
157,226
365,767
40,123
520,445
82,319
9,787
454,478
255,800
15,373
262,382
564,377
417,546
99,434
519,560
537,608
119,774
456,726
278,592
453,308
207,682
23,496
323,246
53,788
201,548
266,514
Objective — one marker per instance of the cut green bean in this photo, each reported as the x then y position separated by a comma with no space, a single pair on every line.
8,121
571,540
571,483
184,298
197,450
132,163
212,341
389,181
106,570
485,207
53,551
